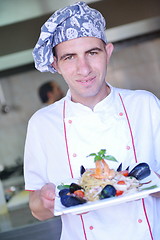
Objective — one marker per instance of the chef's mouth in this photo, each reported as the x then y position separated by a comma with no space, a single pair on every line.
86,80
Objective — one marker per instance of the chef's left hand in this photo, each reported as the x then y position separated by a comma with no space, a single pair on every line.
157,194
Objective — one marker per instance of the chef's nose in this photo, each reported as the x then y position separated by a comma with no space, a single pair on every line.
83,66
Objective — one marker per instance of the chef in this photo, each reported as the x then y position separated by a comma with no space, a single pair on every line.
93,115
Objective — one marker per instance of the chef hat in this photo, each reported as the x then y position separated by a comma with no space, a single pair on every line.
74,21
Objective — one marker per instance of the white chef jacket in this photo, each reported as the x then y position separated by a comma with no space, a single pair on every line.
61,136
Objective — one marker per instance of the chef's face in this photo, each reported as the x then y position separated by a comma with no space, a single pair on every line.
83,64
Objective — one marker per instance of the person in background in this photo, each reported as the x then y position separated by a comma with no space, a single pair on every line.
50,92
93,115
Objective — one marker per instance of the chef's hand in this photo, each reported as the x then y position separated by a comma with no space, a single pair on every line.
41,202
157,194
47,195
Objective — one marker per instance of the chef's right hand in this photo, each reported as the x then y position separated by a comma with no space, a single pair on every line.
41,202
47,194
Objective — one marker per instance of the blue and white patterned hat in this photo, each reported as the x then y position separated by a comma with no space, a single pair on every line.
74,21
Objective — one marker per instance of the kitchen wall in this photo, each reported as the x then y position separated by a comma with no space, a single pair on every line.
135,67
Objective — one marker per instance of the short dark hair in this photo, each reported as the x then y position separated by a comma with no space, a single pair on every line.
43,90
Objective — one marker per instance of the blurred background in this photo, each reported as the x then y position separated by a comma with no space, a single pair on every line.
134,29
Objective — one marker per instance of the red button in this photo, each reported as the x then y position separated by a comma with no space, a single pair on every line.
70,121
140,220
120,114
91,227
128,147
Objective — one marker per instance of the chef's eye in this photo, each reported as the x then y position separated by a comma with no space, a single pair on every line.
92,53
68,57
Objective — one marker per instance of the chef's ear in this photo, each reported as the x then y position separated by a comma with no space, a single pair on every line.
55,64
109,50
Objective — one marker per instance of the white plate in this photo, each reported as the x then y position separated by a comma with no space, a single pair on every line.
82,208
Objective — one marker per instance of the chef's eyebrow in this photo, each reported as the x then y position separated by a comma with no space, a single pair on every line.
73,54
94,49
